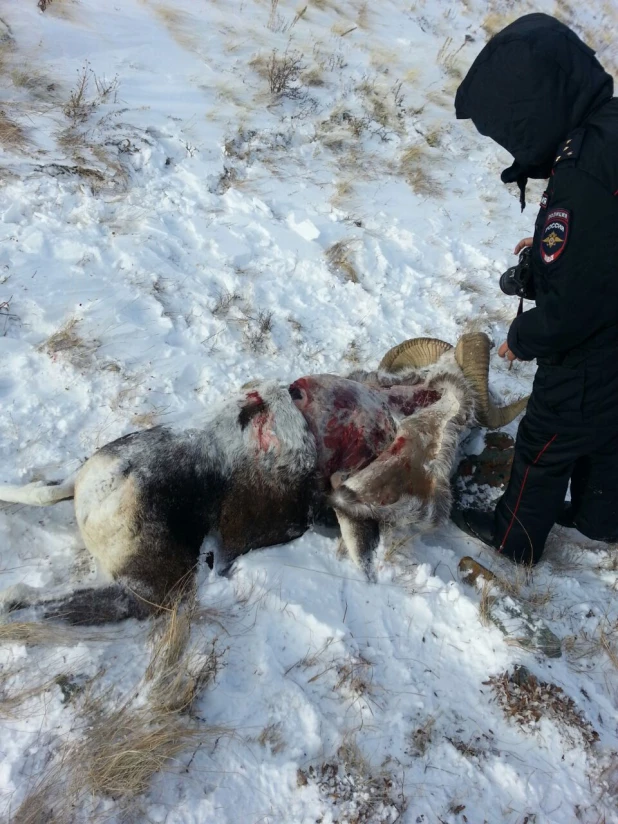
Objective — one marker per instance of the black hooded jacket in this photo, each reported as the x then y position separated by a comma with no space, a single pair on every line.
538,91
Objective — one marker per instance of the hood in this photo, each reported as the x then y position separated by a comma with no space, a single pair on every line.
531,85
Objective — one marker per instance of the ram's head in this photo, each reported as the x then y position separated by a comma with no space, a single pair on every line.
409,483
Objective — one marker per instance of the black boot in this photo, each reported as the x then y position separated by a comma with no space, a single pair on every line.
478,523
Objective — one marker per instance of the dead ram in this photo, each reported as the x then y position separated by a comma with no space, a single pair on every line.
376,448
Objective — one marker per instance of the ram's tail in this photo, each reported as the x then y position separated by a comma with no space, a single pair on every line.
38,493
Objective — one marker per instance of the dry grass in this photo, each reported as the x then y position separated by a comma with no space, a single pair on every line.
395,545
68,344
145,420
353,355
34,633
343,192
602,640
486,602
178,673
340,259
12,135
126,741
413,165
83,100
11,700
37,85
80,105
526,700
272,737
363,17
447,58
383,105
125,747
355,676
495,21
93,145
313,76
278,23
179,24
224,301
421,737
283,73
257,332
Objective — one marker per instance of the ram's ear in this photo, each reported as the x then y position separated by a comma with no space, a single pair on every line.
360,536
252,404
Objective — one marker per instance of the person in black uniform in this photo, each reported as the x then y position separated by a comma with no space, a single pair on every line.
538,91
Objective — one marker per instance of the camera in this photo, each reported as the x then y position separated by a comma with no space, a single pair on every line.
518,279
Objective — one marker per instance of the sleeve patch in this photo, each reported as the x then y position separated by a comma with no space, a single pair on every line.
555,234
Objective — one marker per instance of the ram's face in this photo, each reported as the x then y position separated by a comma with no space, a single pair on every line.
350,422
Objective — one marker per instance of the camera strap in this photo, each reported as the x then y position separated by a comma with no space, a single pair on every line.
521,307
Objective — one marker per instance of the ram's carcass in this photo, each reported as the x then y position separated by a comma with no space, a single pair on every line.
376,448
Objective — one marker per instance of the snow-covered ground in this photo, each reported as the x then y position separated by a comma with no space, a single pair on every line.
169,229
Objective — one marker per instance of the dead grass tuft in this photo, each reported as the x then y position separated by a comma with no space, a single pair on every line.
257,332
447,58
272,737
278,23
125,747
179,674
283,74
313,77
340,259
67,343
12,135
383,104
395,545
355,676
224,301
363,19
413,165
82,101
421,737
486,602
353,355
526,700
33,633
179,24
11,700
145,420
127,740
495,21
602,640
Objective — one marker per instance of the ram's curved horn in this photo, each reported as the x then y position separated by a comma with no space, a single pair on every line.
472,355
415,353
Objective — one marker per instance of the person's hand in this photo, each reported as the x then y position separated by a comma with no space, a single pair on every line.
527,241
505,352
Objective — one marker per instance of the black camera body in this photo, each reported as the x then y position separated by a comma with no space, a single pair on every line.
518,279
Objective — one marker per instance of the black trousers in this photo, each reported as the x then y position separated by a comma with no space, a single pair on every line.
543,465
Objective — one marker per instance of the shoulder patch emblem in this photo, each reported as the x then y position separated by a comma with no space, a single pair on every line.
555,234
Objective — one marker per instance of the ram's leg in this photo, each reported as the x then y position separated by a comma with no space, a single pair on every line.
360,537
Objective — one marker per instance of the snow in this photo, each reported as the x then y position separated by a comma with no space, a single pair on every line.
140,255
